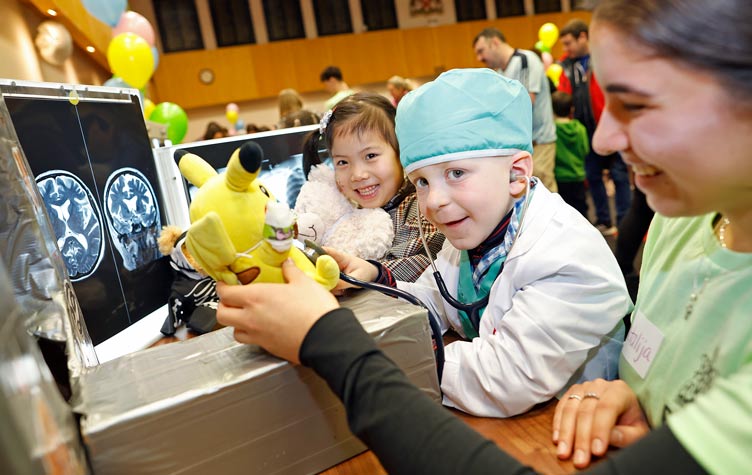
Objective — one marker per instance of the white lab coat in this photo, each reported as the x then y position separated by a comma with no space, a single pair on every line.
557,304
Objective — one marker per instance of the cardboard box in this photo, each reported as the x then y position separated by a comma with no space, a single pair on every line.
211,405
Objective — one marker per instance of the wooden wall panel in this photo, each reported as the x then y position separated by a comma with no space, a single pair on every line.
258,71
275,67
177,78
421,55
454,45
310,58
369,57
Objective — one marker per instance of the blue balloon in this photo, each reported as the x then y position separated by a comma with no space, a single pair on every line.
116,81
106,11
155,53
239,125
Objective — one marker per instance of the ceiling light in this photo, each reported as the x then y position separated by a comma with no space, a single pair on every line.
90,49
51,12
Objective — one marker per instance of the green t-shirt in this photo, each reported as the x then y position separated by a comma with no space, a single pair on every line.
700,378
571,148
332,101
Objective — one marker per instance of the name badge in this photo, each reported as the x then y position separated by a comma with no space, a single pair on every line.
642,344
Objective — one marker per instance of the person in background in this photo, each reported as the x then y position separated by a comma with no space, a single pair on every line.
254,128
331,78
579,81
359,135
215,131
572,145
299,118
398,87
492,49
289,102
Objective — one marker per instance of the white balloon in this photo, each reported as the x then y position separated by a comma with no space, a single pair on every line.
54,42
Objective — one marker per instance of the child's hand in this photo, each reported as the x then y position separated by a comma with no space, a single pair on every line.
275,316
352,266
593,415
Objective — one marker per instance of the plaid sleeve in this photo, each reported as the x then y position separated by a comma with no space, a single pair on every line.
385,276
407,258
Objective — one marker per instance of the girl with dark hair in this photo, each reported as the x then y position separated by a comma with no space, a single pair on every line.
358,135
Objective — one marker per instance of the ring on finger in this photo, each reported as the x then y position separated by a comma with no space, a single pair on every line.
575,396
591,395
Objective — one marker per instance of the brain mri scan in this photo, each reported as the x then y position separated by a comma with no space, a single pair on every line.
76,221
133,217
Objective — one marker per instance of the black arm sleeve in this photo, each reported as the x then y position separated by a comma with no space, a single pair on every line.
410,433
407,431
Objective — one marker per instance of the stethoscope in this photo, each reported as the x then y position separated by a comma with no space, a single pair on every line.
313,251
473,309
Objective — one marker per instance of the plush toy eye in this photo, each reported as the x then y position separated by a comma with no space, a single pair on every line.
263,190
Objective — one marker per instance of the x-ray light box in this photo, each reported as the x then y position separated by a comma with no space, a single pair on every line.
93,165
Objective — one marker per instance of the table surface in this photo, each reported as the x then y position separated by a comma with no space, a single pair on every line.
526,437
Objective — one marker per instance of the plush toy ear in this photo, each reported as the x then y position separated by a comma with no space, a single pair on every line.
194,168
244,166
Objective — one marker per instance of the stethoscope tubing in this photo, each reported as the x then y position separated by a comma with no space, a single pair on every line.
433,321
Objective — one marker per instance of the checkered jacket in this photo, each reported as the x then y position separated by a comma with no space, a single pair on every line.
407,258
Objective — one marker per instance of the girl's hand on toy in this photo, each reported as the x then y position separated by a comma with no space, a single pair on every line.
593,415
276,317
352,266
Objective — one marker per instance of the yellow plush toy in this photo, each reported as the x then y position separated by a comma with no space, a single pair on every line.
239,233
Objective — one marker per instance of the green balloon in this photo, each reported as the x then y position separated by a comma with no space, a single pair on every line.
174,117
542,47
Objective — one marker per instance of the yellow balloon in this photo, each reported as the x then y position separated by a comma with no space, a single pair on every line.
554,73
232,116
148,108
131,59
548,34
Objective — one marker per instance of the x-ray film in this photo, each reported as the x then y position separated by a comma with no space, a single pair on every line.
94,168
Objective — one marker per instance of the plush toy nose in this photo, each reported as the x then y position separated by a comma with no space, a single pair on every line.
244,166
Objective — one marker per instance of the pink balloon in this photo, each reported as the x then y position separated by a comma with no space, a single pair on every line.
132,22
547,58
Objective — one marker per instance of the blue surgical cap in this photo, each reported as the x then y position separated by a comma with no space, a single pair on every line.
464,113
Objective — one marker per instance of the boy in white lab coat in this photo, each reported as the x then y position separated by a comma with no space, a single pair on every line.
555,294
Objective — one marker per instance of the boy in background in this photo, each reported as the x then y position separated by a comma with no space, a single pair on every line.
571,148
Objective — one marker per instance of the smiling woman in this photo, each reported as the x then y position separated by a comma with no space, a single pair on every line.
683,129
682,118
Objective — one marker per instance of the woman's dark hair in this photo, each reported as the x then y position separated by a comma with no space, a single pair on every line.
713,36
